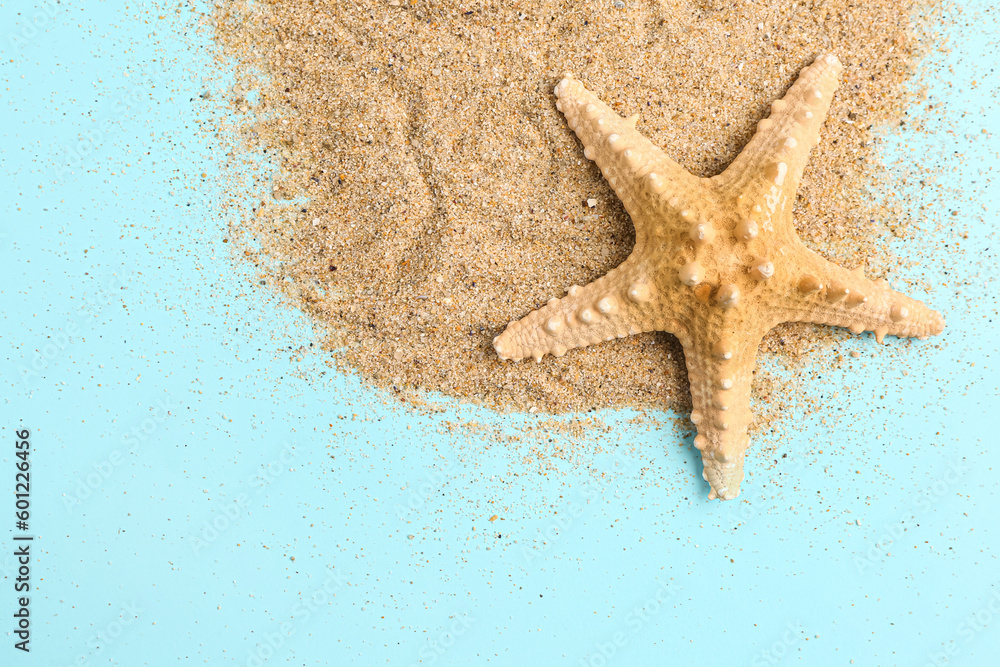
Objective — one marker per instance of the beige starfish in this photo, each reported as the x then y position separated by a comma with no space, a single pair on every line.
717,263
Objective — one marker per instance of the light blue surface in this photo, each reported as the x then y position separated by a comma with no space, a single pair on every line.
164,397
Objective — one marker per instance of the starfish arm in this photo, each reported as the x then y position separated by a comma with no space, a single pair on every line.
641,174
824,293
781,145
621,303
720,365
716,262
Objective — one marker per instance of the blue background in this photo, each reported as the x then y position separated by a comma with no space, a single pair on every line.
205,489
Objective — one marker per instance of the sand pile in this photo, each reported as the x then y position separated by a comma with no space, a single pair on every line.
426,191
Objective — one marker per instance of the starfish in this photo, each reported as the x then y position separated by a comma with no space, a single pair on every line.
717,263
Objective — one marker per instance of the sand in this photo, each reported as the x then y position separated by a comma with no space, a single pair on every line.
425,191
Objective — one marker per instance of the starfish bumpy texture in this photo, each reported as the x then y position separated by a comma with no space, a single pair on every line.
717,263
